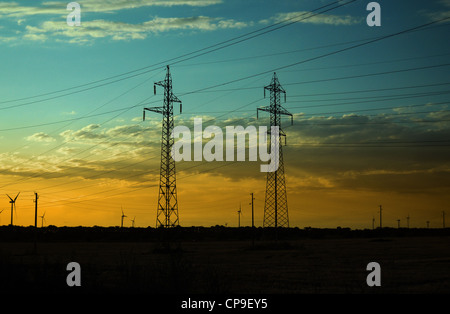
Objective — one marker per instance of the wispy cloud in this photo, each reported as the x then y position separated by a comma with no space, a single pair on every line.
341,160
40,137
90,30
310,18
438,15
113,5
14,9
55,26
124,31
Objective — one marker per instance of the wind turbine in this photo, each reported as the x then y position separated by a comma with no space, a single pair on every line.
13,205
132,221
1,212
123,216
43,219
239,216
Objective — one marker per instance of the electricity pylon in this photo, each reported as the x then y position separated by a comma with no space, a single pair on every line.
276,206
167,212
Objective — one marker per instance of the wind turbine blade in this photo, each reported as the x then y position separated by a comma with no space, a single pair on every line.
16,196
10,198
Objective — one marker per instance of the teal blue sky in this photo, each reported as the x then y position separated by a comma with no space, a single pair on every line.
41,54
391,91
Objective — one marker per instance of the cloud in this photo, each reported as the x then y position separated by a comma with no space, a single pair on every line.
86,133
380,153
303,17
125,31
35,37
40,137
352,152
14,10
121,31
69,113
114,5
89,30
438,15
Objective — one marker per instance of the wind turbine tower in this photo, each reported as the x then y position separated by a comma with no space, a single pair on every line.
13,205
42,220
123,216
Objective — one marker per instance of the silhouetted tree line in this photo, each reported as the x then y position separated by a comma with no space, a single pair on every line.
215,233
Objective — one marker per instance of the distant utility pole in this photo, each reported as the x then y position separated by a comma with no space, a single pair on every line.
381,209
253,216
407,221
36,197
253,221
398,223
239,216
373,223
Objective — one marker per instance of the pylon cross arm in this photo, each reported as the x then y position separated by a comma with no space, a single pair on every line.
174,98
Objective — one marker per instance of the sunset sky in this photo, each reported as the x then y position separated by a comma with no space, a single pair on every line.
371,117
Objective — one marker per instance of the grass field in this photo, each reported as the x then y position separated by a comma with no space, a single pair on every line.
223,261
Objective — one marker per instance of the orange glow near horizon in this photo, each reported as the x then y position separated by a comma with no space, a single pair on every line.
209,200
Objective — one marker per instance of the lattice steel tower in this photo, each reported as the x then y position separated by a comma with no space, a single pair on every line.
276,206
167,212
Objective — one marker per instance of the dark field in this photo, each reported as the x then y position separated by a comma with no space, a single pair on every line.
224,260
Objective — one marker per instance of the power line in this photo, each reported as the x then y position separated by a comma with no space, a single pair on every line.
89,148
191,92
373,74
196,54
369,90
293,21
141,188
323,56
62,144
381,98
419,144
